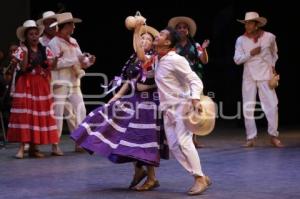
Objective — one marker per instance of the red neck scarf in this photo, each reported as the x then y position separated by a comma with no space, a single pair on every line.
161,54
67,39
256,36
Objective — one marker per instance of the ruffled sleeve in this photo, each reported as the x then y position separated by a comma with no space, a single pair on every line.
19,54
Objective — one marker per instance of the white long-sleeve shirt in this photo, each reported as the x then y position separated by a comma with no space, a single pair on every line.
175,80
258,67
64,74
70,57
71,51
44,40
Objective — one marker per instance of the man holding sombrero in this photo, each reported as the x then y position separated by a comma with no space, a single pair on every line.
179,86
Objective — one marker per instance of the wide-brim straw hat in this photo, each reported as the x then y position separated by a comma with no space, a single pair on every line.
187,20
47,15
274,81
254,16
143,30
28,24
65,17
200,123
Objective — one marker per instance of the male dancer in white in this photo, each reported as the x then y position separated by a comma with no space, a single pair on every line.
257,50
178,84
48,18
66,88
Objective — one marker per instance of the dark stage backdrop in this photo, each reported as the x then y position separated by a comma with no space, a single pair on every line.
104,34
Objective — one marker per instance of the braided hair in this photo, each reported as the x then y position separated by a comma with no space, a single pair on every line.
39,60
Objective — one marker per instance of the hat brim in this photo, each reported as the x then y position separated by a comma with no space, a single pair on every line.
200,124
261,21
21,30
41,20
143,30
189,21
74,20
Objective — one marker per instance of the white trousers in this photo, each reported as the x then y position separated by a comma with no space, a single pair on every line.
269,102
180,142
69,105
70,117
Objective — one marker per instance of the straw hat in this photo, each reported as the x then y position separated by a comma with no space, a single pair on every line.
254,16
200,123
46,15
65,17
274,81
28,24
187,20
146,29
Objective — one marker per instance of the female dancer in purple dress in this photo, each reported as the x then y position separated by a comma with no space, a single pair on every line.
127,129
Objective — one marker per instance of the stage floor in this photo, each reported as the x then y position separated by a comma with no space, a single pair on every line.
237,173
